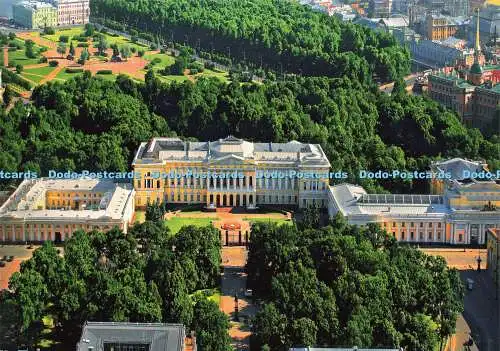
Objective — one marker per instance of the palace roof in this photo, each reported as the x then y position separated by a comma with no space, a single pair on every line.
162,150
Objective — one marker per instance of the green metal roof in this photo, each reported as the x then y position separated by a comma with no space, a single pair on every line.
476,68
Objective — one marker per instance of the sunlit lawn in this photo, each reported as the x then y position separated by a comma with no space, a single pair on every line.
211,294
166,60
278,221
176,223
19,56
63,75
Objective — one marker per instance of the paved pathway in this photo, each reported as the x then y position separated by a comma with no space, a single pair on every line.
52,74
480,315
234,282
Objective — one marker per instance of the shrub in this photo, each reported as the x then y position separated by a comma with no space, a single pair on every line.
134,39
140,53
53,63
83,45
43,59
74,70
193,71
49,31
63,38
133,49
12,63
42,49
19,68
80,38
156,60
12,36
12,49
133,32
153,46
104,71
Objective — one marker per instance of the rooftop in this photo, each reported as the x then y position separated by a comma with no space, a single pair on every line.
174,149
24,203
159,336
352,200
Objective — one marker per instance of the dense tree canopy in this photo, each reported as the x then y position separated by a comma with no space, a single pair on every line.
344,285
146,275
90,123
279,34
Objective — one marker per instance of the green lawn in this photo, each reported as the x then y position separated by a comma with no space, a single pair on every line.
33,77
110,77
169,79
62,75
19,56
166,60
211,294
224,76
176,223
278,221
70,32
41,71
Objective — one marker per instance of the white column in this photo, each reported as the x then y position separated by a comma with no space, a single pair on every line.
3,232
434,232
248,183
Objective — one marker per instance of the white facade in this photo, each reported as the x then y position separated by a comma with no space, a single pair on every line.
48,209
462,214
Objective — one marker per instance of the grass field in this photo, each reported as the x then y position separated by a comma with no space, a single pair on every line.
70,32
176,223
65,76
224,76
19,56
166,60
41,71
278,221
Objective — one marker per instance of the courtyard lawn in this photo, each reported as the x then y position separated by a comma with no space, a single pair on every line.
176,223
40,71
278,221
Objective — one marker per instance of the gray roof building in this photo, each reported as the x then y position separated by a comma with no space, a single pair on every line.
114,336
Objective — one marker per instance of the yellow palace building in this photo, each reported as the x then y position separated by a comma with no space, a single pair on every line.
230,172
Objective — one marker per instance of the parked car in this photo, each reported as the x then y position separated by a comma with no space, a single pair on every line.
4,258
2,264
9,258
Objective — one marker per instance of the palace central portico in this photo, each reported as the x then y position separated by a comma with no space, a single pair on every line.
230,172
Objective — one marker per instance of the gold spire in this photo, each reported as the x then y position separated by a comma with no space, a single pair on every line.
477,46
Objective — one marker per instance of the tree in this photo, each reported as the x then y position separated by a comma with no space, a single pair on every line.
125,52
116,51
61,49
154,212
102,46
84,56
29,48
8,94
71,49
211,326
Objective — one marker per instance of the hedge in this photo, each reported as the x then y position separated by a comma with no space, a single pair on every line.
82,45
10,77
74,70
104,71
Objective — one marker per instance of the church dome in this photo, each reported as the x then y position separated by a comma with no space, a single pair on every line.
476,68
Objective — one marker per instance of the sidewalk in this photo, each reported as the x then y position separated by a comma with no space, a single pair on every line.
234,283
